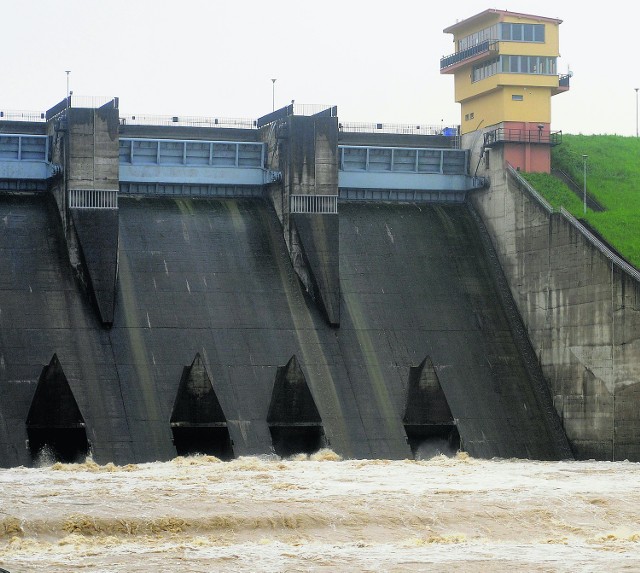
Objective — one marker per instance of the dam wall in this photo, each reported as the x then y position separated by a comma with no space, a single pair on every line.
208,303
581,311
172,289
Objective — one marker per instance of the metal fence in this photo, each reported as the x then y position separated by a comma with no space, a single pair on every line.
408,128
312,109
93,199
188,120
316,204
90,101
15,115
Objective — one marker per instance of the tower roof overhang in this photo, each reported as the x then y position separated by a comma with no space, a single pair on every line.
493,14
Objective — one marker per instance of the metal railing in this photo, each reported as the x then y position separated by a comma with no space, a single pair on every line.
563,80
527,187
408,128
598,244
188,120
488,46
93,199
512,135
313,109
90,101
315,204
16,115
297,109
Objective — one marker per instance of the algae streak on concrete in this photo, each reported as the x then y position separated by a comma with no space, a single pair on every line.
582,314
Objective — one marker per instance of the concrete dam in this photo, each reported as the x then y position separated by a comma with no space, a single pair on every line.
282,287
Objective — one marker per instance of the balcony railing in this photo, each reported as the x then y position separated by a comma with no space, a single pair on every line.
486,47
509,135
563,83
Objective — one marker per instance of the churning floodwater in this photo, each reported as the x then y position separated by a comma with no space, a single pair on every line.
321,513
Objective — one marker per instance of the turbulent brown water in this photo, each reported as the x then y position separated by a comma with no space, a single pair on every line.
322,514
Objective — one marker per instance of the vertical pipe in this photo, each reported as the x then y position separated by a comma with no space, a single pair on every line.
584,180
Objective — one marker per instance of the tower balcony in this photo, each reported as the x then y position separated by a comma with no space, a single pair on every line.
517,135
563,84
481,51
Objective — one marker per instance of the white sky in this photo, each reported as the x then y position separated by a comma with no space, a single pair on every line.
377,61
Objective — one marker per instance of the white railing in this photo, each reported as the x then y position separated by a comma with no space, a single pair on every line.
93,199
316,204
401,128
93,102
188,120
18,115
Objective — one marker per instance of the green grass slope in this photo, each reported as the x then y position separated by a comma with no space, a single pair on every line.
613,178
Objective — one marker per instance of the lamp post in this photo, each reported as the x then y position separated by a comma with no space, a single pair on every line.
273,94
636,111
67,72
584,179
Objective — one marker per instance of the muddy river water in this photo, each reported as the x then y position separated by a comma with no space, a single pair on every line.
321,513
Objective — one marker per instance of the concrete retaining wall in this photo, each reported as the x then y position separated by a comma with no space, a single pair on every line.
581,311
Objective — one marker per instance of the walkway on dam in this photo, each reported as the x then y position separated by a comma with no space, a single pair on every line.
213,278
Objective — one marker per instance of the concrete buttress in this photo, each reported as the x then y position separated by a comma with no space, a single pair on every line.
85,142
304,150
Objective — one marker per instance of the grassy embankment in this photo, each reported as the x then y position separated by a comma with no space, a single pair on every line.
613,178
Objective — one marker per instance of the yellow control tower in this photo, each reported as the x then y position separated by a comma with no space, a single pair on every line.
505,71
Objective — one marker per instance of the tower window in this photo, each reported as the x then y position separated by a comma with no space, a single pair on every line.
517,97
522,32
539,65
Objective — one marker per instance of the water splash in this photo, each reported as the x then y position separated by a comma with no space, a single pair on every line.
435,447
45,457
